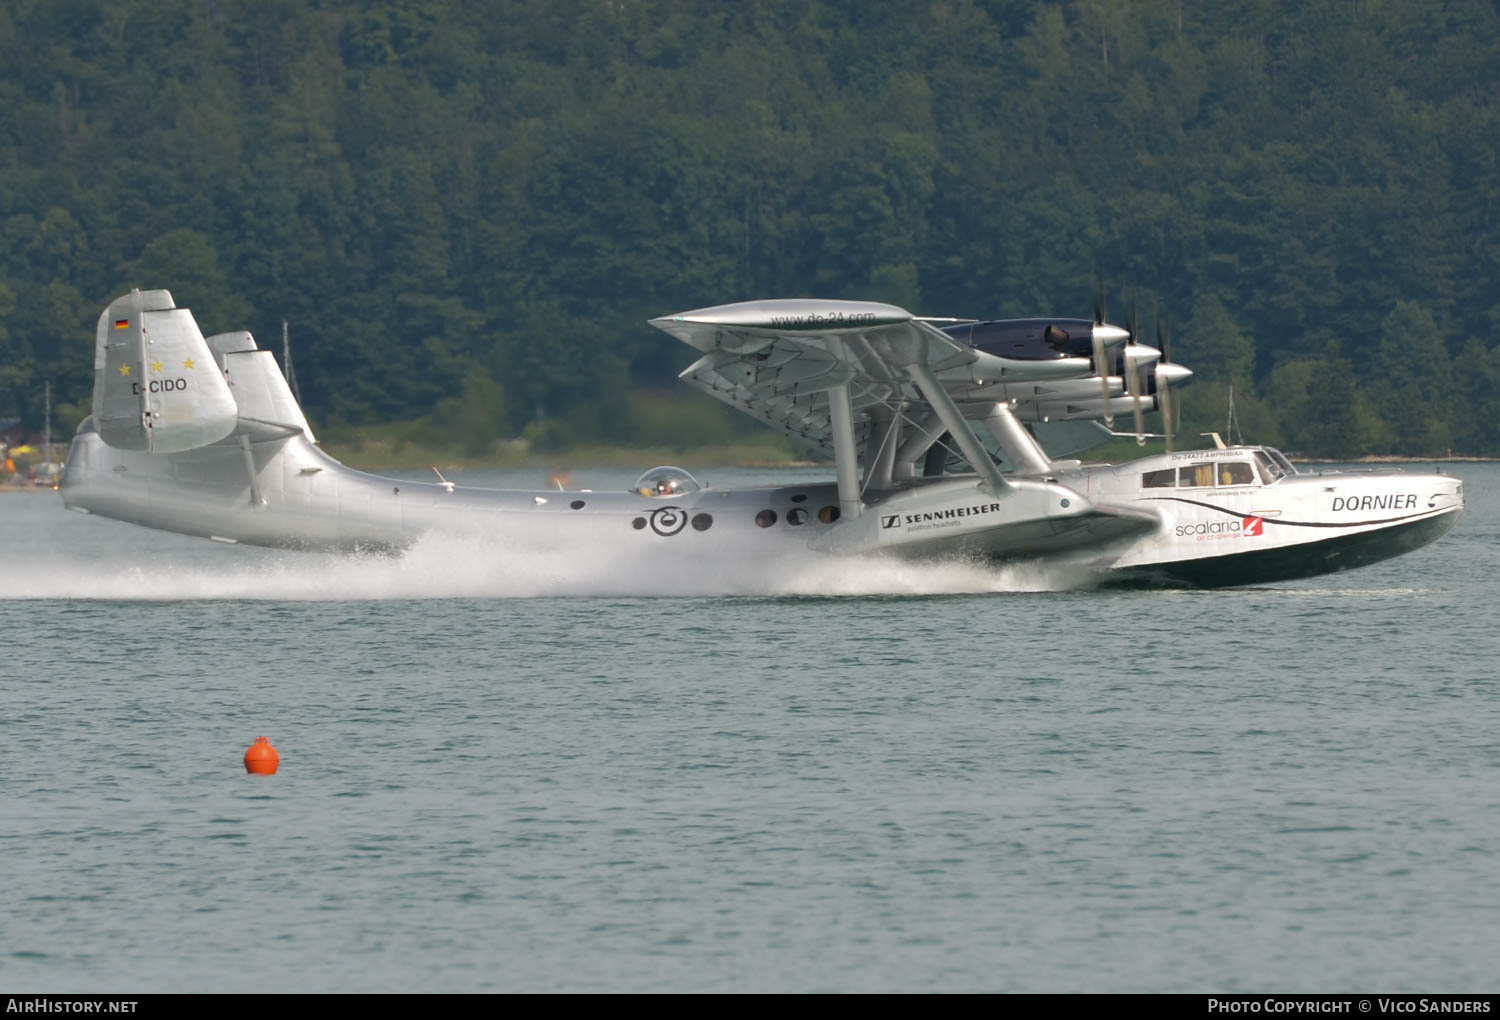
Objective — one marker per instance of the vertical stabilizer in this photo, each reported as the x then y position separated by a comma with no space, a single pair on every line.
157,386
260,390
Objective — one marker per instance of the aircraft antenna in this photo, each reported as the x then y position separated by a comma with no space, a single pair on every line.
286,363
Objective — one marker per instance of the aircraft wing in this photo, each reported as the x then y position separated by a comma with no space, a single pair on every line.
777,360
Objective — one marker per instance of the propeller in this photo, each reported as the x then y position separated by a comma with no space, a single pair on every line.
1164,379
1101,351
1135,359
1133,386
1132,371
1101,369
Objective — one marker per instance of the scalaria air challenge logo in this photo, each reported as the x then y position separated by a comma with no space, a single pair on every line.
1249,527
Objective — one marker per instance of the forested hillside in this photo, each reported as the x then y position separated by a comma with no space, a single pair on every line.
470,209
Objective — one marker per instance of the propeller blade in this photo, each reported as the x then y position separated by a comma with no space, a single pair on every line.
1166,413
1133,384
1101,368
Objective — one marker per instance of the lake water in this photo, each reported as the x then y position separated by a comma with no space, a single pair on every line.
509,772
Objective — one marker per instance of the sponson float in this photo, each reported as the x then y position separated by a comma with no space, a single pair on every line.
931,424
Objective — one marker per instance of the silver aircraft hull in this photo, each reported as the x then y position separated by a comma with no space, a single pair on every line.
202,436
302,498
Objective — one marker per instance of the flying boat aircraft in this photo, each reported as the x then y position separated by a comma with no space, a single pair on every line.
931,424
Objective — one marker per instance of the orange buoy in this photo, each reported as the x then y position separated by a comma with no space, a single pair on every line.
262,757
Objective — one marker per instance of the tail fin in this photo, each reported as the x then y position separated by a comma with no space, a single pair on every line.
260,390
161,387
157,386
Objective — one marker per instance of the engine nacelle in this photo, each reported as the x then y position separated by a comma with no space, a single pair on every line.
1070,410
1036,339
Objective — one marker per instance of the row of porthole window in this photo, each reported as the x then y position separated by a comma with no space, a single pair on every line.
700,522
765,519
796,516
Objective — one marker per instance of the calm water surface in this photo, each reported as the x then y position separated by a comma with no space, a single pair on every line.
506,770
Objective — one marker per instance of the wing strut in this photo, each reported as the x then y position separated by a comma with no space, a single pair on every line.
885,422
256,499
953,418
1016,443
924,433
845,454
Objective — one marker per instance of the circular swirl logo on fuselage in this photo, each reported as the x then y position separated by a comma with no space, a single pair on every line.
668,520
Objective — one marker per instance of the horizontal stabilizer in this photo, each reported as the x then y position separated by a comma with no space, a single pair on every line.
157,385
262,431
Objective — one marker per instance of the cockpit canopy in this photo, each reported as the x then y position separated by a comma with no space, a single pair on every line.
665,482
1228,468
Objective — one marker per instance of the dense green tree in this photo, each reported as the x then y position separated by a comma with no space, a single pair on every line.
453,203
1339,421
1215,346
188,260
1413,383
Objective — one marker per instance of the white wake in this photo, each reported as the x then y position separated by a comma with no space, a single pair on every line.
444,567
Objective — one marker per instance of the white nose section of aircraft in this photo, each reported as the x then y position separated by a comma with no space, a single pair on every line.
1447,496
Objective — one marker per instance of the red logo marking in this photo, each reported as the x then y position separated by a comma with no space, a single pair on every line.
1251,525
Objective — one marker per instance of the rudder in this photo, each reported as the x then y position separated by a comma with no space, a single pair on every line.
157,386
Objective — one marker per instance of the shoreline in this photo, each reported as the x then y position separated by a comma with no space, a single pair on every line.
1384,458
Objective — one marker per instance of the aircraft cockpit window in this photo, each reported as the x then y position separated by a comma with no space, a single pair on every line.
1278,458
666,482
1166,478
1236,473
1269,469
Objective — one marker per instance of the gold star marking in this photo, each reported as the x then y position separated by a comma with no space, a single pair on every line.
156,366
124,369
188,363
